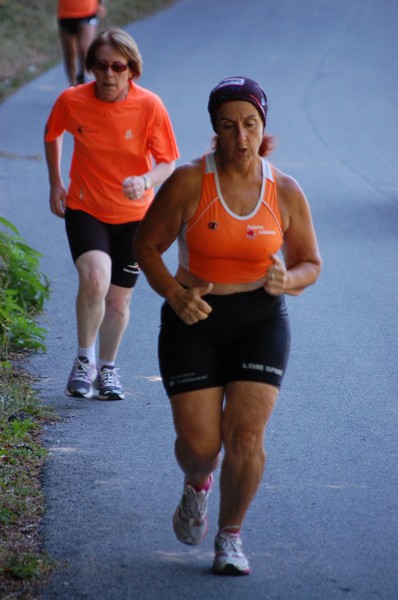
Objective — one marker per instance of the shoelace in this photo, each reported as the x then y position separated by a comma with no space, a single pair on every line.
194,504
109,377
229,541
81,371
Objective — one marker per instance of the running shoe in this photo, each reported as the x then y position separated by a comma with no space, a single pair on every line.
81,379
109,386
190,518
229,558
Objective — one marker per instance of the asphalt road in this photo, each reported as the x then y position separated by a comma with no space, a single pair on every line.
324,523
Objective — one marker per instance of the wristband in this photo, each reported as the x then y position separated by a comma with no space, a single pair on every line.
148,182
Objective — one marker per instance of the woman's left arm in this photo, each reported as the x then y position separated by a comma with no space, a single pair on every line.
302,261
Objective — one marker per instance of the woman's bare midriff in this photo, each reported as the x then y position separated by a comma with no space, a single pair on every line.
190,280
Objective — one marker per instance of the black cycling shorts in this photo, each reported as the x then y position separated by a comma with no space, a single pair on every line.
246,337
86,233
71,26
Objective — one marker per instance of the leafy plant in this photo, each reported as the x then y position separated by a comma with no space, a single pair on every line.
25,566
23,291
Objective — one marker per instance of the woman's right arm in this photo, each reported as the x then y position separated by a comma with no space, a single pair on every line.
174,204
53,151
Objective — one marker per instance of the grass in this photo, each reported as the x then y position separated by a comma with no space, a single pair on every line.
29,45
23,564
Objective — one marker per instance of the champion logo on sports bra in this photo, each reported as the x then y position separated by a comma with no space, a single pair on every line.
129,134
253,230
213,225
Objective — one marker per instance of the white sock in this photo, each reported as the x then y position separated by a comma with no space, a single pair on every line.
87,352
102,363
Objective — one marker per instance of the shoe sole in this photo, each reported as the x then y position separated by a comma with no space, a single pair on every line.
76,394
230,569
110,397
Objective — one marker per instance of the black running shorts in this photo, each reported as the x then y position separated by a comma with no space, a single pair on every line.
71,26
86,233
245,338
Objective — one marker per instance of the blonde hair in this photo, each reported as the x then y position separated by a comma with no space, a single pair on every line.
121,41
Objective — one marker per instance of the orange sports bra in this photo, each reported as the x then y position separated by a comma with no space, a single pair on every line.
221,247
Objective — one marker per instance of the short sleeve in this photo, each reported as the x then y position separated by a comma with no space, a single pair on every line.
161,138
57,120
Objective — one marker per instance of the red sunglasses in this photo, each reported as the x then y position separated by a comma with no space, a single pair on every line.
116,67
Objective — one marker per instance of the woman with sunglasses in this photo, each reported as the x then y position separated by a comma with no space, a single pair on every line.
224,335
124,146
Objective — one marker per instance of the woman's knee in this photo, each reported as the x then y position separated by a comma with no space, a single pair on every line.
118,304
248,409
244,440
94,275
93,282
199,450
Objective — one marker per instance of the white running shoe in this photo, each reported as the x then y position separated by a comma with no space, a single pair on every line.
229,558
190,518
109,386
81,382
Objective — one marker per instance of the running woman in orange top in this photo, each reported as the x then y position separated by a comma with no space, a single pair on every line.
123,146
224,337
77,26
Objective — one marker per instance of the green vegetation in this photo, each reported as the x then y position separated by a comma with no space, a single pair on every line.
22,563
23,291
29,45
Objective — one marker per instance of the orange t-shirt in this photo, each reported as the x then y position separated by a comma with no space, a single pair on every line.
112,141
75,9
221,247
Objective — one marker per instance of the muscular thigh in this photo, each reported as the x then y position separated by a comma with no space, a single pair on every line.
197,415
248,407
249,402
